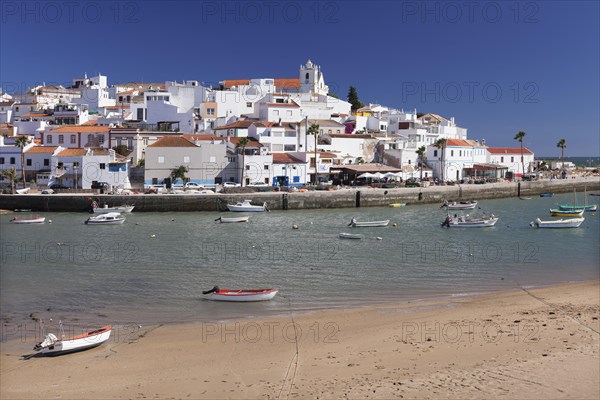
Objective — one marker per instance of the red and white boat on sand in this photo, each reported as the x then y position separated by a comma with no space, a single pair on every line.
240,294
52,346
36,220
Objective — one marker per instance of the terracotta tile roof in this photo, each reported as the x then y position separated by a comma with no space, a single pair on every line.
116,107
91,122
238,124
286,83
290,104
508,150
326,122
42,150
5,125
203,137
80,128
72,152
458,143
251,142
172,141
285,158
35,115
349,136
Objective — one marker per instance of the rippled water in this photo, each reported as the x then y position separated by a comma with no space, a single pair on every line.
153,268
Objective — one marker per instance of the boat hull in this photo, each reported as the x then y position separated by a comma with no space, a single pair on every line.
225,220
561,223
561,213
369,224
119,209
350,236
79,343
244,295
462,206
590,208
474,224
246,206
40,220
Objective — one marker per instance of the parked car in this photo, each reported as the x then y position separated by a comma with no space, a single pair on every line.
193,185
58,186
231,184
412,182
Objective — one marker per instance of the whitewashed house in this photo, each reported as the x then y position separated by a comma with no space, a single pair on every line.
104,165
510,157
77,136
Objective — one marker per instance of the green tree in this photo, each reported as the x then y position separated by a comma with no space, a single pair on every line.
21,142
353,99
562,143
11,175
421,153
121,149
519,136
241,145
314,130
179,173
441,144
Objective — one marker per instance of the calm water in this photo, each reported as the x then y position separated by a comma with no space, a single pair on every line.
153,268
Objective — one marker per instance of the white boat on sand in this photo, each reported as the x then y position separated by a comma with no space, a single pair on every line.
470,222
344,235
224,220
112,218
240,295
367,224
561,223
246,206
53,346
36,220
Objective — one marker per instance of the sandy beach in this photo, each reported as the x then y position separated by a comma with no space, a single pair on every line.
526,344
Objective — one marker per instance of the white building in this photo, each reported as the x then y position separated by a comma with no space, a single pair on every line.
510,157
77,136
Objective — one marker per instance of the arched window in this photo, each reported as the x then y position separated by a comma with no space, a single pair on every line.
307,75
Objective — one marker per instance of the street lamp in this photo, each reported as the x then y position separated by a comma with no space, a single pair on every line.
75,168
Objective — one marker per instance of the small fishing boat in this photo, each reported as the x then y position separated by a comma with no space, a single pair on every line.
36,220
224,220
562,213
594,194
590,208
112,218
561,223
462,205
397,205
470,222
118,209
23,191
53,346
240,295
546,194
22,209
246,206
350,236
367,224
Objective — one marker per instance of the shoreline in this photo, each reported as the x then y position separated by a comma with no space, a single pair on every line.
343,198
505,344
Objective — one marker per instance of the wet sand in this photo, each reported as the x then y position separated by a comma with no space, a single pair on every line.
540,343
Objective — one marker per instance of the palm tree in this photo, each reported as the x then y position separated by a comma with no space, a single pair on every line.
562,143
241,144
314,130
441,144
519,136
11,175
421,153
21,142
179,173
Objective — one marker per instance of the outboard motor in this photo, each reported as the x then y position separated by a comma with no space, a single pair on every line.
214,289
47,342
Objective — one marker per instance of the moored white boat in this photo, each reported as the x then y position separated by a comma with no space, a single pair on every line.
463,205
52,346
36,220
240,295
344,235
224,220
246,206
118,209
560,223
112,218
367,224
470,222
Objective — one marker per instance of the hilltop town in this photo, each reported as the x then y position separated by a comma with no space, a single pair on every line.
242,132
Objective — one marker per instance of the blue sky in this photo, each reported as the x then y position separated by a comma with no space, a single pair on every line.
498,67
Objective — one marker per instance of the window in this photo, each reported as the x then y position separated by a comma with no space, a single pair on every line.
247,168
266,166
186,159
275,112
512,159
231,159
73,139
76,163
161,159
279,101
213,159
210,111
289,147
307,76
49,139
145,141
501,159
1,160
451,153
435,153
338,131
290,134
102,166
28,162
248,104
101,139
46,162
155,181
329,131
61,139
409,162
12,160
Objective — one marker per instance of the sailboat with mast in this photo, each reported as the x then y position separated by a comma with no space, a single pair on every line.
574,207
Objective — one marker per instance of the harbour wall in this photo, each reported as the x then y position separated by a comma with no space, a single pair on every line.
344,198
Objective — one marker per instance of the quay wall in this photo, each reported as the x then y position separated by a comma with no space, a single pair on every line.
344,198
